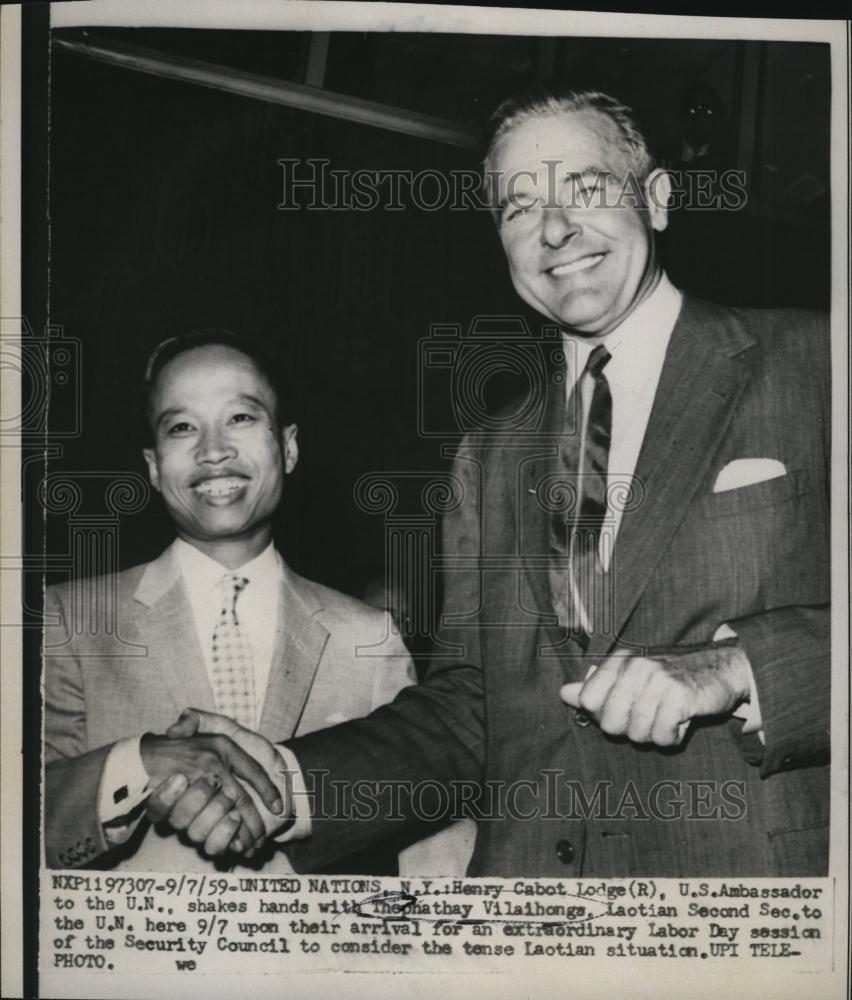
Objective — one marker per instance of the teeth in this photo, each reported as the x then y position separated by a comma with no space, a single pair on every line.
578,265
219,487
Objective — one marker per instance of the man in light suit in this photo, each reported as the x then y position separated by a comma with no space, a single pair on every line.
644,673
221,447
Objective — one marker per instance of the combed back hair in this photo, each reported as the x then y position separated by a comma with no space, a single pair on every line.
541,103
171,348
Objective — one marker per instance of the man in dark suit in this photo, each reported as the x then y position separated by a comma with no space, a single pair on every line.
643,677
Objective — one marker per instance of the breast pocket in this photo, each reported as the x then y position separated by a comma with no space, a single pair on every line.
749,549
755,497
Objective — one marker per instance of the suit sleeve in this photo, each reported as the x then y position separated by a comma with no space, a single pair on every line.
395,671
430,740
789,648
72,830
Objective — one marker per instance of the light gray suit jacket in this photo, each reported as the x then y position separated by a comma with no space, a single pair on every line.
122,658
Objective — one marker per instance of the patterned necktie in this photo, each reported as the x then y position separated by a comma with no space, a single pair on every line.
233,674
575,533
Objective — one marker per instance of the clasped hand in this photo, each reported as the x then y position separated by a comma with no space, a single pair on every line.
652,699
219,783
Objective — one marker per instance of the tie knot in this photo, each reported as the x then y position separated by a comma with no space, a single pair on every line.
233,585
598,360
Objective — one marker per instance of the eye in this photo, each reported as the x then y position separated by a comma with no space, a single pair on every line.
179,428
243,418
585,191
517,210
589,185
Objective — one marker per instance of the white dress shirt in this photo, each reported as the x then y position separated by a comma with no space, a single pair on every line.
637,351
257,609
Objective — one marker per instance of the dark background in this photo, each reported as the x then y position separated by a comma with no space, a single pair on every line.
163,215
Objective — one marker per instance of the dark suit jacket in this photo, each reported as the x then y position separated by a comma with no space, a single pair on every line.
735,384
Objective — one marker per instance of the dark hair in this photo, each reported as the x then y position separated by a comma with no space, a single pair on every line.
538,102
167,350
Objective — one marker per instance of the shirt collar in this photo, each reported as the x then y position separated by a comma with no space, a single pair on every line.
658,312
202,574
644,334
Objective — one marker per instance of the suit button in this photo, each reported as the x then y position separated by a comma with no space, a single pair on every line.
565,851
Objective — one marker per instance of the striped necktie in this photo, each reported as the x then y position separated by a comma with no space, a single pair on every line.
575,532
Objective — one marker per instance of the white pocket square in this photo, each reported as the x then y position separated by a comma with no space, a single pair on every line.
336,717
747,472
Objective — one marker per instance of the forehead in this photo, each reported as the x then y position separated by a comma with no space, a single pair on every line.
214,372
577,140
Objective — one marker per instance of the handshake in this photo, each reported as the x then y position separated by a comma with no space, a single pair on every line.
225,787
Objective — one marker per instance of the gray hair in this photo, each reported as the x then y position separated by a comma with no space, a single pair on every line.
539,103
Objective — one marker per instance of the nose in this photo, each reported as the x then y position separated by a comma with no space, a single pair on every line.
558,226
214,446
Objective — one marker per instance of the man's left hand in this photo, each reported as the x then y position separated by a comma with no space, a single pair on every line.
652,699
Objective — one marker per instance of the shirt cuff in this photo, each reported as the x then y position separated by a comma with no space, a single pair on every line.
748,711
124,787
301,827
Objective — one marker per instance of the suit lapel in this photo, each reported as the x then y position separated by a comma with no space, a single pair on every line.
164,619
299,644
707,367
536,469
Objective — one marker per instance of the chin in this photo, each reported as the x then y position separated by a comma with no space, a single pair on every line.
580,311
222,530
580,323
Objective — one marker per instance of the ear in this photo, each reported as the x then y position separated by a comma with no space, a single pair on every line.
658,191
290,447
153,471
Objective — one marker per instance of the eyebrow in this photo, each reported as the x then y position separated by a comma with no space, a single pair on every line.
248,398
168,414
244,398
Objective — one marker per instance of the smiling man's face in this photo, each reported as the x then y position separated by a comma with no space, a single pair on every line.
577,252
219,459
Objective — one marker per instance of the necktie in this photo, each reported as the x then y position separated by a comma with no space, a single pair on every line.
233,674
575,532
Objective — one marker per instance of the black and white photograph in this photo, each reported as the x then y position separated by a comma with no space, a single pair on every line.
431,434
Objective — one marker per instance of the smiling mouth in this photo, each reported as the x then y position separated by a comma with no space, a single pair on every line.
581,264
222,486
